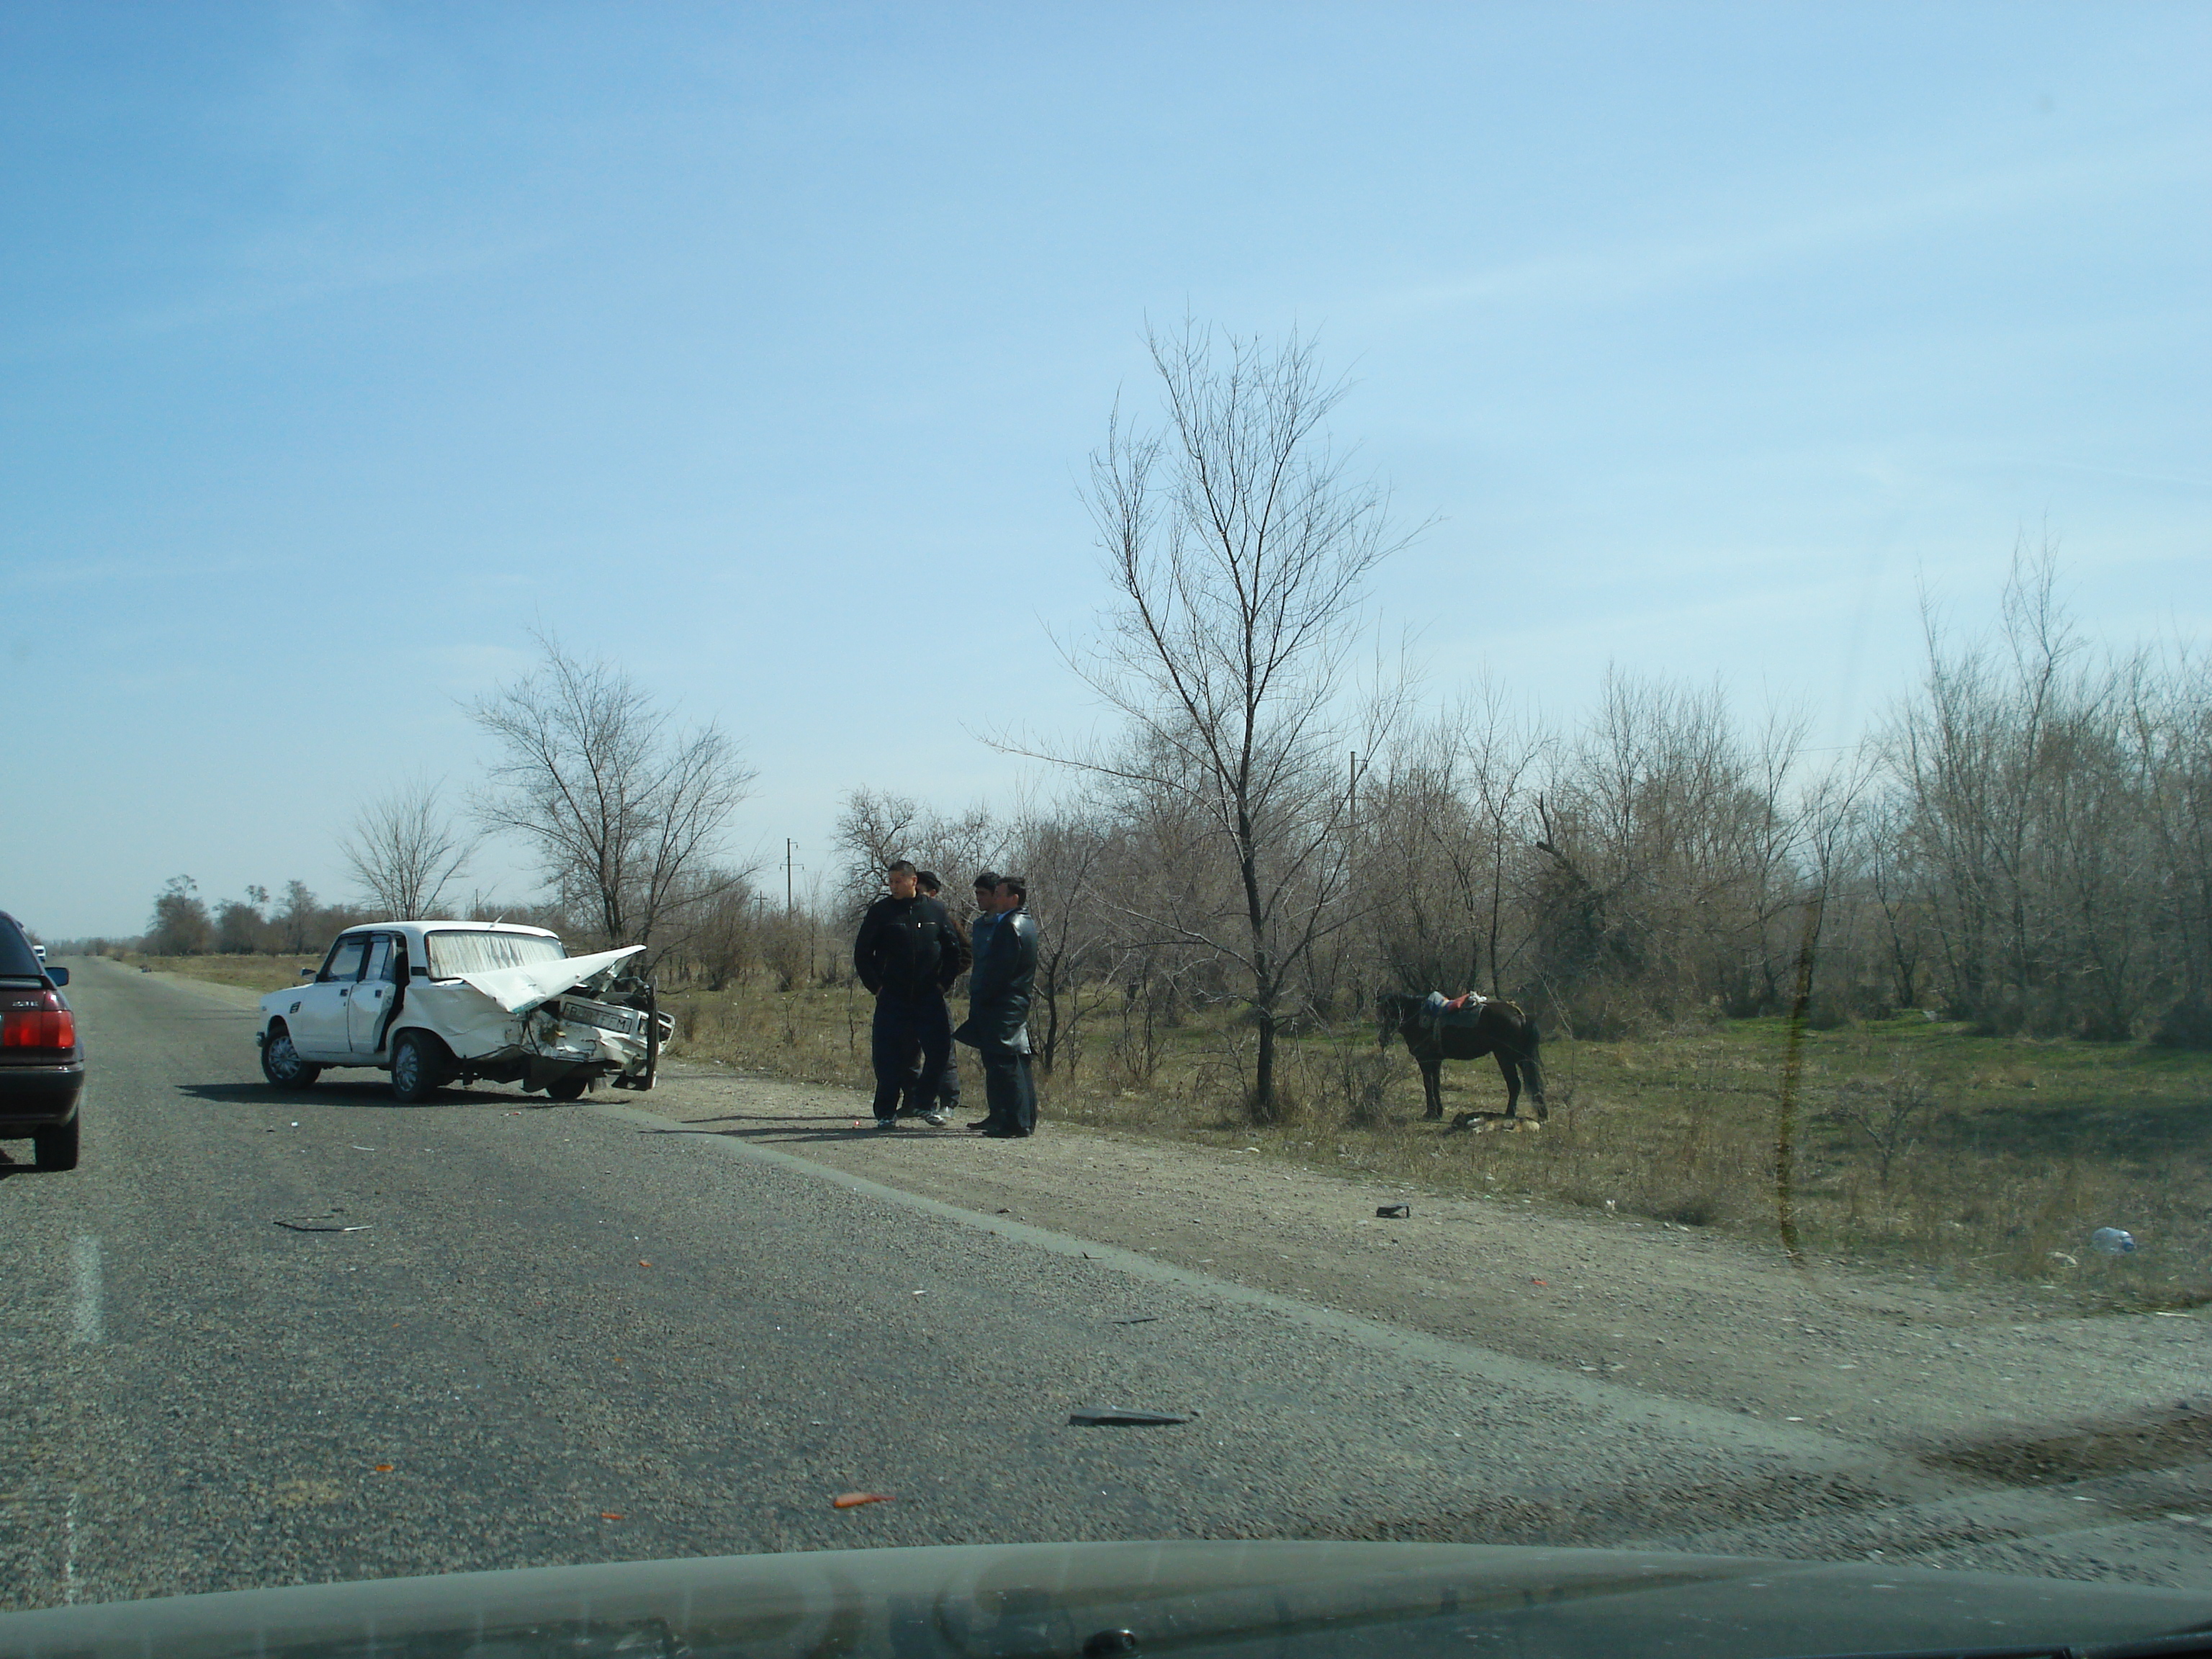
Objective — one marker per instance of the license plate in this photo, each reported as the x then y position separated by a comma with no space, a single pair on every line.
624,1022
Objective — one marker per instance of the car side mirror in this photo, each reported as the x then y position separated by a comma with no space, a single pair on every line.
57,977
306,973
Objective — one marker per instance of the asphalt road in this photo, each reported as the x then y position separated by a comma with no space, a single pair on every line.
570,1335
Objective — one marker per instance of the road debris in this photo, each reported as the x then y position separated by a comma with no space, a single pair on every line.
1095,1417
1138,1319
322,1226
853,1500
1394,1212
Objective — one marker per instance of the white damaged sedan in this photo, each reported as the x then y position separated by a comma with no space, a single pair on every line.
440,1002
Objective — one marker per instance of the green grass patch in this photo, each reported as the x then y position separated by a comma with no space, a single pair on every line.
1915,1144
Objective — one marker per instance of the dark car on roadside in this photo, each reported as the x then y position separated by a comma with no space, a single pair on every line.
41,1063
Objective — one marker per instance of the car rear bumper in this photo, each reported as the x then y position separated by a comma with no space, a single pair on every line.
34,1097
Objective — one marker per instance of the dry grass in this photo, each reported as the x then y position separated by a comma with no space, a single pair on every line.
253,973
1913,1143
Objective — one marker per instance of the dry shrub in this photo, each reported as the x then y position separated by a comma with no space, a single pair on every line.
1933,1153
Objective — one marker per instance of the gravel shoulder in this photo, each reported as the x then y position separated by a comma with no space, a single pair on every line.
1617,1381
2003,1378
1879,1359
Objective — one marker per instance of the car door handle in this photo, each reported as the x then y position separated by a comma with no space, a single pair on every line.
343,995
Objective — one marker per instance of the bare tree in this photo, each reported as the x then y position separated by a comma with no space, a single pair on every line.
1061,855
405,849
625,811
180,926
875,829
1238,546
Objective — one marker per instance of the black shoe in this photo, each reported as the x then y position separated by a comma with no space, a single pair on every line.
985,1126
887,1123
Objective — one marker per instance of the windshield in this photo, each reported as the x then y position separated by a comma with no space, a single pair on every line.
453,953
1354,774
17,959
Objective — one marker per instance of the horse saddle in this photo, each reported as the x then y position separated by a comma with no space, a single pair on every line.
1462,1010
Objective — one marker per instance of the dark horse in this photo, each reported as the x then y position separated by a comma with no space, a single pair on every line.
1500,1029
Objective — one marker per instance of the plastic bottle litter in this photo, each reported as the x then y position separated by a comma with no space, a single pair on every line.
2112,1241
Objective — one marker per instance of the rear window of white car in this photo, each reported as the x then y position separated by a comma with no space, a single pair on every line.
456,953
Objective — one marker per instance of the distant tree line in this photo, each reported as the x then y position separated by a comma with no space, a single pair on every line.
2024,842
1267,825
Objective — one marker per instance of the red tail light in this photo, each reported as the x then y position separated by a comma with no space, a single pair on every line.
39,1021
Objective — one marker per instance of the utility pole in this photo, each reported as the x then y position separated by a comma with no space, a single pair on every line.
788,906
1352,790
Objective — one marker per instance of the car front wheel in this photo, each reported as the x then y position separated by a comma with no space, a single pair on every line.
281,1063
418,1069
56,1147
567,1088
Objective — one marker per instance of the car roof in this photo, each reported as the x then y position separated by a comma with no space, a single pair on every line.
421,927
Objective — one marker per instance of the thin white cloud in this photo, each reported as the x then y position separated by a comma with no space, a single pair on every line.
1621,274
272,284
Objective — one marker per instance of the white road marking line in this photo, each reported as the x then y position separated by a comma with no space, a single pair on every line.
84,1276
68,1553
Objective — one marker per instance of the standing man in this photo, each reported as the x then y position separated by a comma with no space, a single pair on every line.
908,953
979,931
998,1023
947,1082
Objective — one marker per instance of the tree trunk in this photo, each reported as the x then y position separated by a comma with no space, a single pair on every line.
1263,1070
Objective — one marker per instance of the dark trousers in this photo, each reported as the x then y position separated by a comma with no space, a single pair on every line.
1009,1090
902,1024
948,1080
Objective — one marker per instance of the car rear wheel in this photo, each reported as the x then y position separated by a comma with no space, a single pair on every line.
56,1147
418,1067
567,1088
281,1063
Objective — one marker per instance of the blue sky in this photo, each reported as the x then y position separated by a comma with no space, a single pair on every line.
760,348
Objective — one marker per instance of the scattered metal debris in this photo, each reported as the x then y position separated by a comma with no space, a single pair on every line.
1394,1212
1138,1319
324,1226
1093,1416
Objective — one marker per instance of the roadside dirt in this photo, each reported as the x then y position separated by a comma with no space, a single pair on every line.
2006,1386
2000,1383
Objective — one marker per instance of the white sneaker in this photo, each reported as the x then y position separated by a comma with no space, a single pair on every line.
935,1120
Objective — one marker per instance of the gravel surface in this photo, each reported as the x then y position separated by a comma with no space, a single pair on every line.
679,1324
1690,1314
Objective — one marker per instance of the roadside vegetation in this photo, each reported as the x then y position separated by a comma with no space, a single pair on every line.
1942,995
1918,1143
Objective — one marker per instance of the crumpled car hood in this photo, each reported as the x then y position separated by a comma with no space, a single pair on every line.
518,1015
518,990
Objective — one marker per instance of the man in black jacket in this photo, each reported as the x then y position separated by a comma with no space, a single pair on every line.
998,1023
908,953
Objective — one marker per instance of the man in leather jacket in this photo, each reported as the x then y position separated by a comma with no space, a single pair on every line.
908,953
998,1023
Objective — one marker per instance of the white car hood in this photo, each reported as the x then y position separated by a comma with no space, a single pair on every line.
518,990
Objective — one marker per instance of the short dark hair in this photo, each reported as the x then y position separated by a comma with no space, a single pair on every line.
1019,888
987,878
927,881
899,867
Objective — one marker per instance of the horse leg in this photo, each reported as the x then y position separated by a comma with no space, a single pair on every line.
1433,1086
1533,1075
1511,1073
